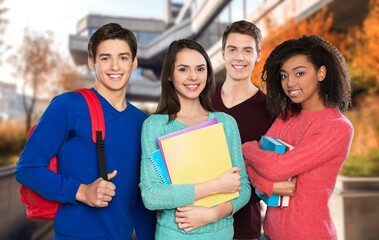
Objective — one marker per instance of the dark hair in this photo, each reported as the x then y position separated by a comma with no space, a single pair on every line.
243,27
169,101
334,90
111,31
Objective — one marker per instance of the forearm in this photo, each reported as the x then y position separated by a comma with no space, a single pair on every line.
263,185
206,189
318,146
223,210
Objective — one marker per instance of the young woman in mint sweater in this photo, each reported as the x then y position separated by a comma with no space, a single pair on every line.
307,87
187,86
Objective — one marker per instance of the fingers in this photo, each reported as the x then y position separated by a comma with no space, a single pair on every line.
101,192
181,219
185,226
235,169
112,174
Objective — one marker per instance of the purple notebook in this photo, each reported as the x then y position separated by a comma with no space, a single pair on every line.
182,131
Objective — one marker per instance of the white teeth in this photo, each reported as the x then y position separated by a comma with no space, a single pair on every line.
238,66
115,75
192,87
294,93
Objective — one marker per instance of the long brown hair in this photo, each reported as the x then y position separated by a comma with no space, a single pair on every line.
169,101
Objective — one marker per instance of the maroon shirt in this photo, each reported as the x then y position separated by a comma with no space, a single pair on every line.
253,121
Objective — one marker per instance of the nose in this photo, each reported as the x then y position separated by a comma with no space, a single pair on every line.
115,65
291,81
192,75
238,55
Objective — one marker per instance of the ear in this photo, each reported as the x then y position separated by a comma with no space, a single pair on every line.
135,63
321,73
223,55
258,58
91,64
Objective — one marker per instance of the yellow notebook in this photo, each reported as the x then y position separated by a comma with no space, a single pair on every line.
198,156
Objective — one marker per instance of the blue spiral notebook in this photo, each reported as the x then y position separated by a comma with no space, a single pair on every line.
160,166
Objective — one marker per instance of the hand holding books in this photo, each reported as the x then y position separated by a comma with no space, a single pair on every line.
281,147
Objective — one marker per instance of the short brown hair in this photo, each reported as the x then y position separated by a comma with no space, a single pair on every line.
243,27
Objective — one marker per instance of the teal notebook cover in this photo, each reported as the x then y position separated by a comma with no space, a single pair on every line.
273,201
160,166
271,144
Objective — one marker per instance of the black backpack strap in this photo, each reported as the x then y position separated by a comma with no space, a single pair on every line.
98,127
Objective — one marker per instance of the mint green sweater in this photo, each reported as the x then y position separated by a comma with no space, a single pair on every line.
158,196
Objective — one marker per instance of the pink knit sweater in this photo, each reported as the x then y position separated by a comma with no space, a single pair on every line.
322,141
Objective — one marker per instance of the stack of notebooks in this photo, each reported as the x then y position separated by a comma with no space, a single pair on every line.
281,147
194,155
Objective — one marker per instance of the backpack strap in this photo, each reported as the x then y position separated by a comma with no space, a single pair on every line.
98,127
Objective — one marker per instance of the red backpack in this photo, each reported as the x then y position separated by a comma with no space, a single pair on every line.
37,207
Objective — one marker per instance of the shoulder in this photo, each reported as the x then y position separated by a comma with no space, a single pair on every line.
224,118
260,98
219,86
67,98
156,119
332,121
66,102
341,120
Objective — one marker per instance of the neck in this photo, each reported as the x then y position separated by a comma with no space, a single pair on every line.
234,92
191,113
115,98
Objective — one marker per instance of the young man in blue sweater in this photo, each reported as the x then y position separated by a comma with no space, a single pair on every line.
93,208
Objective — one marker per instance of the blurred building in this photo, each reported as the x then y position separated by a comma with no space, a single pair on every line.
10,103
203,21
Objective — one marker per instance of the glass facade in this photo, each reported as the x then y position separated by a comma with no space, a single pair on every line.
234,11
145,37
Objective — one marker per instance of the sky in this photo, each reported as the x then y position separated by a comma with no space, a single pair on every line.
61,16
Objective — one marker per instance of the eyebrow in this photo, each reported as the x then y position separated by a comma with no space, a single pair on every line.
231,46
108,54
183,65
295,68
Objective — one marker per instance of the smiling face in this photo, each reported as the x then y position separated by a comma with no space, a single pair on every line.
240,55
300,82
190,74
112,65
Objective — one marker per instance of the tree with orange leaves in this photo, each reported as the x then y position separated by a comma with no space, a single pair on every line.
362,52
319,24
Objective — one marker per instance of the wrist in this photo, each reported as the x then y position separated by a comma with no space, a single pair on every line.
80,194
214,186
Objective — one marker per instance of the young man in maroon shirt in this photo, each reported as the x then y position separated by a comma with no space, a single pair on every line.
240,98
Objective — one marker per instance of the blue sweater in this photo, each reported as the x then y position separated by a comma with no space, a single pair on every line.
65,130
159,196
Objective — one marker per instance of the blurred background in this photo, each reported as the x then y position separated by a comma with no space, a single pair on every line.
43,53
